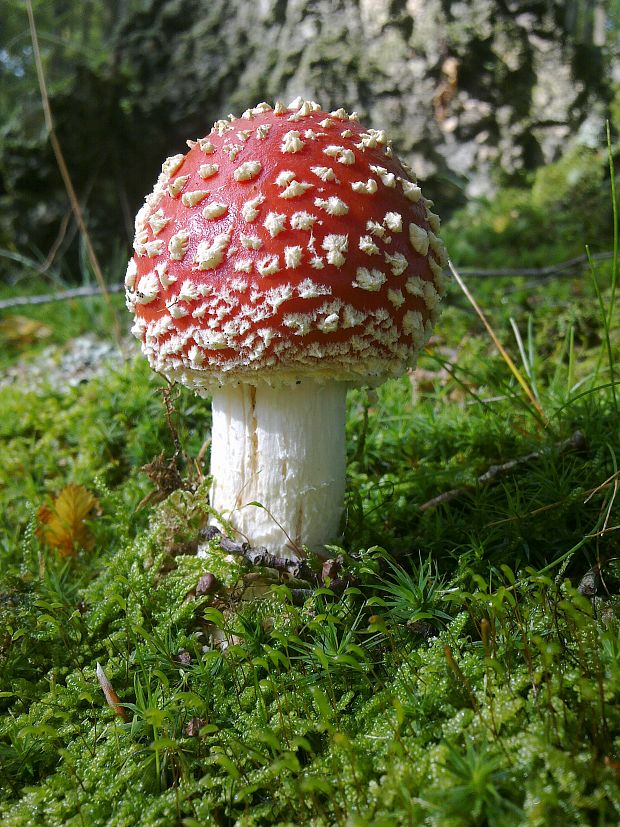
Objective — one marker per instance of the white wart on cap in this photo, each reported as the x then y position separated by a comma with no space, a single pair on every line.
288,243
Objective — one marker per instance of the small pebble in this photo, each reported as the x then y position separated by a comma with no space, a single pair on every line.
206,585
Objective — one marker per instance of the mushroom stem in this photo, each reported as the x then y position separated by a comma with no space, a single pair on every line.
284,448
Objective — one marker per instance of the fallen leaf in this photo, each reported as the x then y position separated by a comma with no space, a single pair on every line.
20,330
62,524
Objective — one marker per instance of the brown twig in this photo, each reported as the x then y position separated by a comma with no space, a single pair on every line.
574,443
169,408
47,298
570,267
60,237
258,555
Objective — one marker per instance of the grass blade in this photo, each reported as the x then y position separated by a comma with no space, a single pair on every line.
606,323
614,212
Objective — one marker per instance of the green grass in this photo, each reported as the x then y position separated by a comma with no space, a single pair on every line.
461,679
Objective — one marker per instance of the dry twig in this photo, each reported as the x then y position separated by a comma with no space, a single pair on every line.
575,443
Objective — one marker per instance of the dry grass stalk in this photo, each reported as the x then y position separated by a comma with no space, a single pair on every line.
503,352
66,177
114,702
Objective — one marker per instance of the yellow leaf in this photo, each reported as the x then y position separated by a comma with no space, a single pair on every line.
61,524
20,330
500,223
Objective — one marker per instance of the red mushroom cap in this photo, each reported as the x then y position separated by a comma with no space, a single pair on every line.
287,243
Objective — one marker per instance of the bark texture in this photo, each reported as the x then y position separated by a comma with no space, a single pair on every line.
473,94
469,91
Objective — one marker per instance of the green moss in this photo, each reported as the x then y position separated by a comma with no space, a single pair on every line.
566,207
462,679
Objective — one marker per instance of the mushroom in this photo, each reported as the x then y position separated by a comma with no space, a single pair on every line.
288,256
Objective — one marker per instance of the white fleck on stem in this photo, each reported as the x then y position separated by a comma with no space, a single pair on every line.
285,449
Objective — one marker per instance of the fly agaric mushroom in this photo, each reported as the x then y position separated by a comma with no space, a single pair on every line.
285,258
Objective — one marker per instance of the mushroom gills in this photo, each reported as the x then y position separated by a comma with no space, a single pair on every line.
284,448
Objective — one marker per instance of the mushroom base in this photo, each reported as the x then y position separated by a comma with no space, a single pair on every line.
278,463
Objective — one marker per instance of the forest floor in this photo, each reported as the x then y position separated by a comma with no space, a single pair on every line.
460,665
